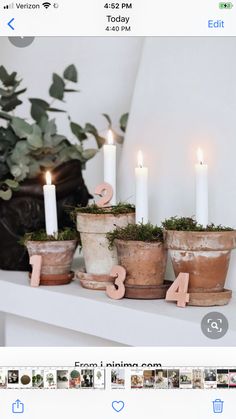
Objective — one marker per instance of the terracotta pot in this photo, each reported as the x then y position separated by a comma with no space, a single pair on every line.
99,259
57,257
145,263
204,255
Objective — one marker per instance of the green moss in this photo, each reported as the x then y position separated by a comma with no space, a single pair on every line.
121,208
136,232
63,235
190,224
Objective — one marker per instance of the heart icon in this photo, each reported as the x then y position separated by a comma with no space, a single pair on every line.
118,406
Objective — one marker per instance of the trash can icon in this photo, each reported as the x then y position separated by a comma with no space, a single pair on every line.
218,406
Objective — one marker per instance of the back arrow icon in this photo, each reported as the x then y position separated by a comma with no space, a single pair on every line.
9,24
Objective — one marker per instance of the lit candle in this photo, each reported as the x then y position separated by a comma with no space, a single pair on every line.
50,206
110,164
201,190
141,175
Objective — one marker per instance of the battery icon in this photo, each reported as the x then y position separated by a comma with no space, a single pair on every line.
227,5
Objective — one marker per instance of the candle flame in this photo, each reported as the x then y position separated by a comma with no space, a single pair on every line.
48,178
140,159
200,156
110,138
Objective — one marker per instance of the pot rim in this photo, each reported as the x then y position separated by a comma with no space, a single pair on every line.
43,242
200,240
131,242
228,232
88,214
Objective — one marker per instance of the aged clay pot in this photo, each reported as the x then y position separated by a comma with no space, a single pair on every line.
145,263
204,255
99,259
57,257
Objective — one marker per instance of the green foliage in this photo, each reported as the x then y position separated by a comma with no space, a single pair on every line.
190,224
136,232
27,148
63,235
120,208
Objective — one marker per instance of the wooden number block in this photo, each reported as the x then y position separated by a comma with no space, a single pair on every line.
36,262
104,190
179,290
116,291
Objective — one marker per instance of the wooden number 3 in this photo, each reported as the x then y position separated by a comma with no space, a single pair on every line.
106,192
116,291
179,290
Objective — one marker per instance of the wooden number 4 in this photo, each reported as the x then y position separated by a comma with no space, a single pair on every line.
179,290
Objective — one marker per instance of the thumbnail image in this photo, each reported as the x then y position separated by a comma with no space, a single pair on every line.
99,378
186,378
198,378
232,378
74,378
161,380
87,378
173,378
3,378
210,378
137,378
25,378
50,379
38,378
118,378
13,378
62,379
148,378
222,378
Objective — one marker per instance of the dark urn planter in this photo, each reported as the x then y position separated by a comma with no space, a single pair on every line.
24,213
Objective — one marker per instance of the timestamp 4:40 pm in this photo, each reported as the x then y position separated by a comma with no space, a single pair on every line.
118,28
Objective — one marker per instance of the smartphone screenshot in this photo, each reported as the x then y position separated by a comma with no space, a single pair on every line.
117,218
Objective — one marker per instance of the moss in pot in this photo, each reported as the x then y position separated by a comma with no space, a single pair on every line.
203,252
57,254
142,253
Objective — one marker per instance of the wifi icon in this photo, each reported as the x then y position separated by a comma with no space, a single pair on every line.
46,4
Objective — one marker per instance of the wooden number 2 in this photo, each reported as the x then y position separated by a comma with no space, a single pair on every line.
36,262
106,192
116,291
179,290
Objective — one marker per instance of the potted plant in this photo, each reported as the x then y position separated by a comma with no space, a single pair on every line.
93,224
57,254
142,253
203,252
28,147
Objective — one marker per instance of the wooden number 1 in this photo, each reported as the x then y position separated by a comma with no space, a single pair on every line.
106,192
36,262
116,291
179,290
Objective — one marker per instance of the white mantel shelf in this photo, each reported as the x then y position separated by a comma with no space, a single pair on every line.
93,314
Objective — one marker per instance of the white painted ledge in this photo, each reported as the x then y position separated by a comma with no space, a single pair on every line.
72,309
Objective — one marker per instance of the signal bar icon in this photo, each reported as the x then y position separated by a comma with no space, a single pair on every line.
9,6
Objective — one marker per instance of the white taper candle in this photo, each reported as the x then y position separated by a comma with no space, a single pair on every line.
141,175
50,206
109,150
201,171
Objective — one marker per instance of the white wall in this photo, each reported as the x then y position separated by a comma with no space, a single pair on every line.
107,70
185,97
